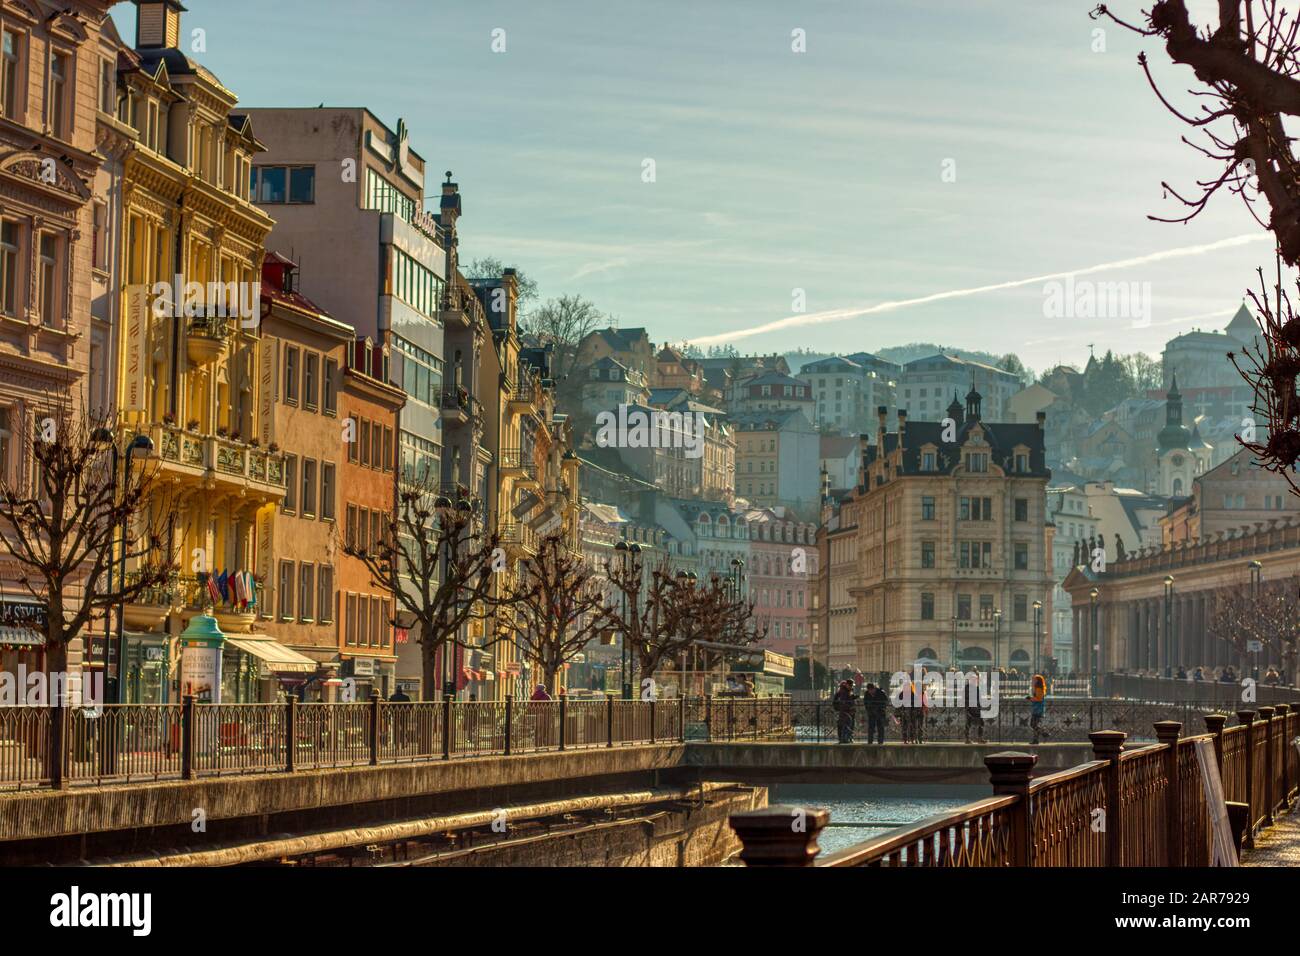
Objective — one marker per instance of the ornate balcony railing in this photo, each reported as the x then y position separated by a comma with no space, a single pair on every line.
227,456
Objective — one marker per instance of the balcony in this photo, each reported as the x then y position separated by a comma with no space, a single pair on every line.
227,461
151,606
525,397
459,407
517,536
460,308
233,615
519,465
206,337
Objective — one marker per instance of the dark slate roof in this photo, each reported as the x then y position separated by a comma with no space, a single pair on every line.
1002,439
622,340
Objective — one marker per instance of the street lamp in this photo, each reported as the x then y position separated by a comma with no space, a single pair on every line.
1256,575
630,555
1038,621
1169,638
952,644
997,635
1092,639
139,444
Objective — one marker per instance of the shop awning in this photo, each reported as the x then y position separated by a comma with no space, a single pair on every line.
21,637
274,655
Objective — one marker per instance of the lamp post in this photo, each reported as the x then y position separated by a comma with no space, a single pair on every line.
1169,637
1038,622
630,555
140,443
1256,574
952,644
1092,639
997,635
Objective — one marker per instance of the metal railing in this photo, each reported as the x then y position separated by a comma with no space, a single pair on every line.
120,743
1224,693
1142,806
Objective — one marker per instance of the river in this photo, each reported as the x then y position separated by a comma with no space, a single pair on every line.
873,803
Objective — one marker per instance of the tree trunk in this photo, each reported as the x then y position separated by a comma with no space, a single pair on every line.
428,672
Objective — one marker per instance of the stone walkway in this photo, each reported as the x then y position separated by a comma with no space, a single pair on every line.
1278,845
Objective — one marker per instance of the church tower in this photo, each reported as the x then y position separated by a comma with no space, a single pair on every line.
1181,455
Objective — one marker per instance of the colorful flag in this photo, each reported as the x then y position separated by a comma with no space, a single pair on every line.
213,593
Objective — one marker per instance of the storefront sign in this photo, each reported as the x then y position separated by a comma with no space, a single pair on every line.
137,348
363,667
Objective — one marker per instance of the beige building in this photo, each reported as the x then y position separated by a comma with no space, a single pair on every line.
953,546
1236,494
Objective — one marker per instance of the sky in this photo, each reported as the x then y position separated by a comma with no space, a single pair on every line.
924,170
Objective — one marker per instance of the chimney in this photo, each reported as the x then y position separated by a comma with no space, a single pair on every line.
902,425
881,414
158,24
1042,420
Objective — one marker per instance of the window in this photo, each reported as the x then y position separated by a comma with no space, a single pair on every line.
328,400
927,508
376,445
286,590
986,607
107,86
927,606
327,491
977,461
1022,462
269,183
6,440
1020,608
388,449
975,554
363,619
325,595
1022,509
306,591
1021,553
350,628
51,296
290,484
963,607
99,237
310,368
975,509
10,74
56,115
8,268
309,488
291,375
927,461
350,527
927,554
302,184
365,442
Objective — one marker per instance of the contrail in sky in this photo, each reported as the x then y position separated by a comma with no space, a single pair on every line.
841,315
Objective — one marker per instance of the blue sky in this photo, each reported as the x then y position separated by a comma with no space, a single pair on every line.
775,170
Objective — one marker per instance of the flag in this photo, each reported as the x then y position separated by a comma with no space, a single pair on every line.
213,593
223,584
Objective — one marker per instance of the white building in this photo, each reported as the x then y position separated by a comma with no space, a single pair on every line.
929,384
1067,509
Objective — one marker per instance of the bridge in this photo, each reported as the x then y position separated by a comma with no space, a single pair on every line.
286,780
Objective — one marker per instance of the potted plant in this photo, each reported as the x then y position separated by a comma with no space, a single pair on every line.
222,431
255,442
273,448
168,418
192,425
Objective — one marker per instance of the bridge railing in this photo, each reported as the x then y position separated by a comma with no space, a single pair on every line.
1143,806
1222,693
120,743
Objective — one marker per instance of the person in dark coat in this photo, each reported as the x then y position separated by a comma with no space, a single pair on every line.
399,696
845,704
876,702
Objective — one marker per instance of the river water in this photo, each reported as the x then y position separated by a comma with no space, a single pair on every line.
869,804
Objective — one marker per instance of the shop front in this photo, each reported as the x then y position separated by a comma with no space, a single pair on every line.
257,669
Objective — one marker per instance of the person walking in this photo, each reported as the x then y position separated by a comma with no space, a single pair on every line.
1037,706
845,703
974,716
875,701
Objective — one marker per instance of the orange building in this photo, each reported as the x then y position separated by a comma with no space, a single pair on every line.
367,637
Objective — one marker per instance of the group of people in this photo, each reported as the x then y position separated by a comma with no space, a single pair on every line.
910,715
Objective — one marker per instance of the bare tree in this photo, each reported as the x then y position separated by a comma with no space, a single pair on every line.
63,520
563,323
490,267
1269,614
1246,70
439,565
556,608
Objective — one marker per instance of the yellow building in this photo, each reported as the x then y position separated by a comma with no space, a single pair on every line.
194,375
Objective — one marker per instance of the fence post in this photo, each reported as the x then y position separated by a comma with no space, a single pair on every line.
510,707
1266,715
564,712
1010,773
290,731
1247,718
375,715
58,734
446,726
609,721
1167,732
770,837
708,718
1284,798
681,719
652,720
1214,725
1107,745
187,737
